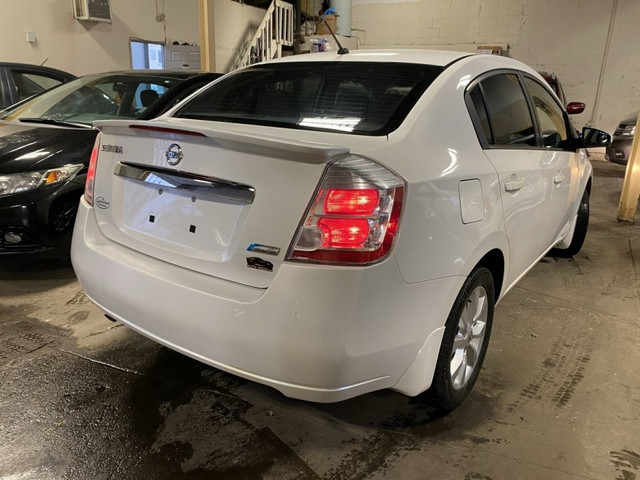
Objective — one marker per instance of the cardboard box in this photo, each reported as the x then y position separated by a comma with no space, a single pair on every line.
321,27
490,49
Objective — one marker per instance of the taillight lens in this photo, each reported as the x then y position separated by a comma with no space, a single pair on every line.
91,173
351,202
354,216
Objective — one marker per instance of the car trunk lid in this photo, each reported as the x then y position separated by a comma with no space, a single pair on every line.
213,200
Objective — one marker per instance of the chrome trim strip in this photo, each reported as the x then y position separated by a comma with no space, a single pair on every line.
208,186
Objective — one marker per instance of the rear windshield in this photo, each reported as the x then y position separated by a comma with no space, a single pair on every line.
366,98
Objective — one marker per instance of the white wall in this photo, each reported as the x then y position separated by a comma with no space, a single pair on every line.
87,47
567,37
235,23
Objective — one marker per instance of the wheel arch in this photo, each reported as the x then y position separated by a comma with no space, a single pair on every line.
494,262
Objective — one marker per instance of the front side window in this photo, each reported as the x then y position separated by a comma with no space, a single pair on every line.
367,98
508,111
551,120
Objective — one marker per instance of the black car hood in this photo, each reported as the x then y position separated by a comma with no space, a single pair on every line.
26,147
630,121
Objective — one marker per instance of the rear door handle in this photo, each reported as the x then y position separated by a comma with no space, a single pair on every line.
513,185
558,178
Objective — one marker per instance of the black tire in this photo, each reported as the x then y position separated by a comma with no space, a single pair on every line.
450,389
579,234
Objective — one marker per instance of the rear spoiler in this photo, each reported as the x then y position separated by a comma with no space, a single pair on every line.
292,150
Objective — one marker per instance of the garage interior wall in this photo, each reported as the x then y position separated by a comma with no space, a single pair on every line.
82,47
567,37
235,23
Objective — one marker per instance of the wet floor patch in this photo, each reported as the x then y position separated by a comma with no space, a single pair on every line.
21,334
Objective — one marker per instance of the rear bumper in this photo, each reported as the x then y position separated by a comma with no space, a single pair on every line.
317,333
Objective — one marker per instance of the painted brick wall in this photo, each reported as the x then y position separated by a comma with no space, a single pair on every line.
567,37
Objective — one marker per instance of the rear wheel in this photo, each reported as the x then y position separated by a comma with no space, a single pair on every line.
465,340
580,232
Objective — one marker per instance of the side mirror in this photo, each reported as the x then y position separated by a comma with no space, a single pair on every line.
592,137
575,108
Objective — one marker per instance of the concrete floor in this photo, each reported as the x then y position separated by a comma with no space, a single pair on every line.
558,398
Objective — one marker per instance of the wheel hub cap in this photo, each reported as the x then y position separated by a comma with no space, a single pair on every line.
469,338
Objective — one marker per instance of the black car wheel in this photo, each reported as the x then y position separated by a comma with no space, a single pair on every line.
465,340
63,214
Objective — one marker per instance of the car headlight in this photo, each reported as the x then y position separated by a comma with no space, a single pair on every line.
25,181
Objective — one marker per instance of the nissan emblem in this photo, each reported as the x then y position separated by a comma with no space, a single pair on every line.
174,154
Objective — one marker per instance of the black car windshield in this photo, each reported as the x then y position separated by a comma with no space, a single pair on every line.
366,98
94,97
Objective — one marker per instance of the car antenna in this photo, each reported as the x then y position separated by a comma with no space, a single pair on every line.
341,49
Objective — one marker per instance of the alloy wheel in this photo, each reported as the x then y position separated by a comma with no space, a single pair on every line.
469,338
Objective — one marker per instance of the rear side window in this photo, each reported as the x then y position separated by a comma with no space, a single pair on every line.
481,110
508,112
367,98
551,120
30,83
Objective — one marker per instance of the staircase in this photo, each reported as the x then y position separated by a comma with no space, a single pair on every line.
275,31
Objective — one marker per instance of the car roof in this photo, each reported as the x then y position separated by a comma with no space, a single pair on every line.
429,57
440,58
43,68
549,77
182,74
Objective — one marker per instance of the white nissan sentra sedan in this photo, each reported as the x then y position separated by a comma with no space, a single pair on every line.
330,225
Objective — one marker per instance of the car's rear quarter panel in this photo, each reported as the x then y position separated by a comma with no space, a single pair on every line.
439,150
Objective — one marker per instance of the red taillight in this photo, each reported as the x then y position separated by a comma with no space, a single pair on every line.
351,202
91,173
343,232
354,216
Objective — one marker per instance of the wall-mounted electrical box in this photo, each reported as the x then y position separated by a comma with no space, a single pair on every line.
92,10
182,57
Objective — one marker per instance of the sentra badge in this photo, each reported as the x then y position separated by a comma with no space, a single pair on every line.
174,154
102,203
113,149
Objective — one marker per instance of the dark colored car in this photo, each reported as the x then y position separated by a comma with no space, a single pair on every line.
620,148
46,142
20,80
573,108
